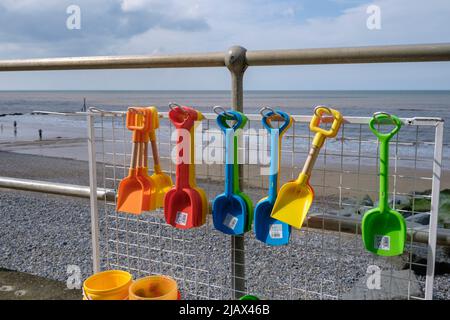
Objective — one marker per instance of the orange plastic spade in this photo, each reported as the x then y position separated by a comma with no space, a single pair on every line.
149,201
130,194
136,189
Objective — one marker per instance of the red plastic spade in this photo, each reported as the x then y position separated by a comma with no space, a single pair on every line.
183,206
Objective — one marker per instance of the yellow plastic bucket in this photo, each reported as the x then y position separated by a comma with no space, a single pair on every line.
156,287
107,285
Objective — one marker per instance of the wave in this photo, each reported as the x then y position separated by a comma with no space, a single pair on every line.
11,114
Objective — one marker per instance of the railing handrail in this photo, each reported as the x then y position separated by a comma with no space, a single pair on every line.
340,55
49,187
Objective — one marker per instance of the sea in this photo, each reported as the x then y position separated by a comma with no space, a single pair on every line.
18,107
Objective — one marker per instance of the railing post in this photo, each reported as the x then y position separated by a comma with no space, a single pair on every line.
237,64
435,194
95,233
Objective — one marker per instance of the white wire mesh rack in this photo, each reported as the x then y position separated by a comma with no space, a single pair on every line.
326,258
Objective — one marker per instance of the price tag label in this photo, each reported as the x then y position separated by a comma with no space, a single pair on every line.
382,242
276,231
230,221
181,218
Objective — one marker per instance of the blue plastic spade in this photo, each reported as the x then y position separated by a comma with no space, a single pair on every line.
229,210
267,229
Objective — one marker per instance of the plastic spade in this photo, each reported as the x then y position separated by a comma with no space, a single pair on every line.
384,229
131,191
236,187
192,181
148,201
267,229
205,202
229,210
183,204
236,184
295,197
162,182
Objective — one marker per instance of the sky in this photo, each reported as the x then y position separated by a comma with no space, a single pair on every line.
38,29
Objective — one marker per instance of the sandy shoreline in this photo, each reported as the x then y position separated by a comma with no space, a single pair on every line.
337,176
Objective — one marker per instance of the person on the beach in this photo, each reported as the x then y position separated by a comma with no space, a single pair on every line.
40,134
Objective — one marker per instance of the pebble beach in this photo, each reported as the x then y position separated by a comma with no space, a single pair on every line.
54,232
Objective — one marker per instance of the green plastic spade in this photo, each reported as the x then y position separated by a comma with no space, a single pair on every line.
236,186
384,229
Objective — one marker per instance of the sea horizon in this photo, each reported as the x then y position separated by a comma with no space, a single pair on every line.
228,90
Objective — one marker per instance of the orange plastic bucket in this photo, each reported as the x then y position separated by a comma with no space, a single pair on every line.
156,287
107,285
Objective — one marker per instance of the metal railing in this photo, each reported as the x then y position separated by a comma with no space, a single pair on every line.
372,54
145,244
237,60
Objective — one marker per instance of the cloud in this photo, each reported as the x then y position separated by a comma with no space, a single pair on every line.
118,26
103,23
275,24
32,28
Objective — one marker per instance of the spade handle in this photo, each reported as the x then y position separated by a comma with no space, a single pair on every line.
134,159
229,161
184,152
275,144
384,139
303,177
319,138
156,163
322,134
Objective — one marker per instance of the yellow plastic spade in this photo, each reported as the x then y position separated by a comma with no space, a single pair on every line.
163,182
295,197
205,202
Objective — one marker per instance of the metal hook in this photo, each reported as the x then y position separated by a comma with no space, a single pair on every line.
261,111
380,113
105,112
173,105
322,107
135,110
96,110
215,108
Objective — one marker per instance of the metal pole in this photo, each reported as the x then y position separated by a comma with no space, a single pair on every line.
63,189
372,54
93,194
435,193
236,63
195,60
